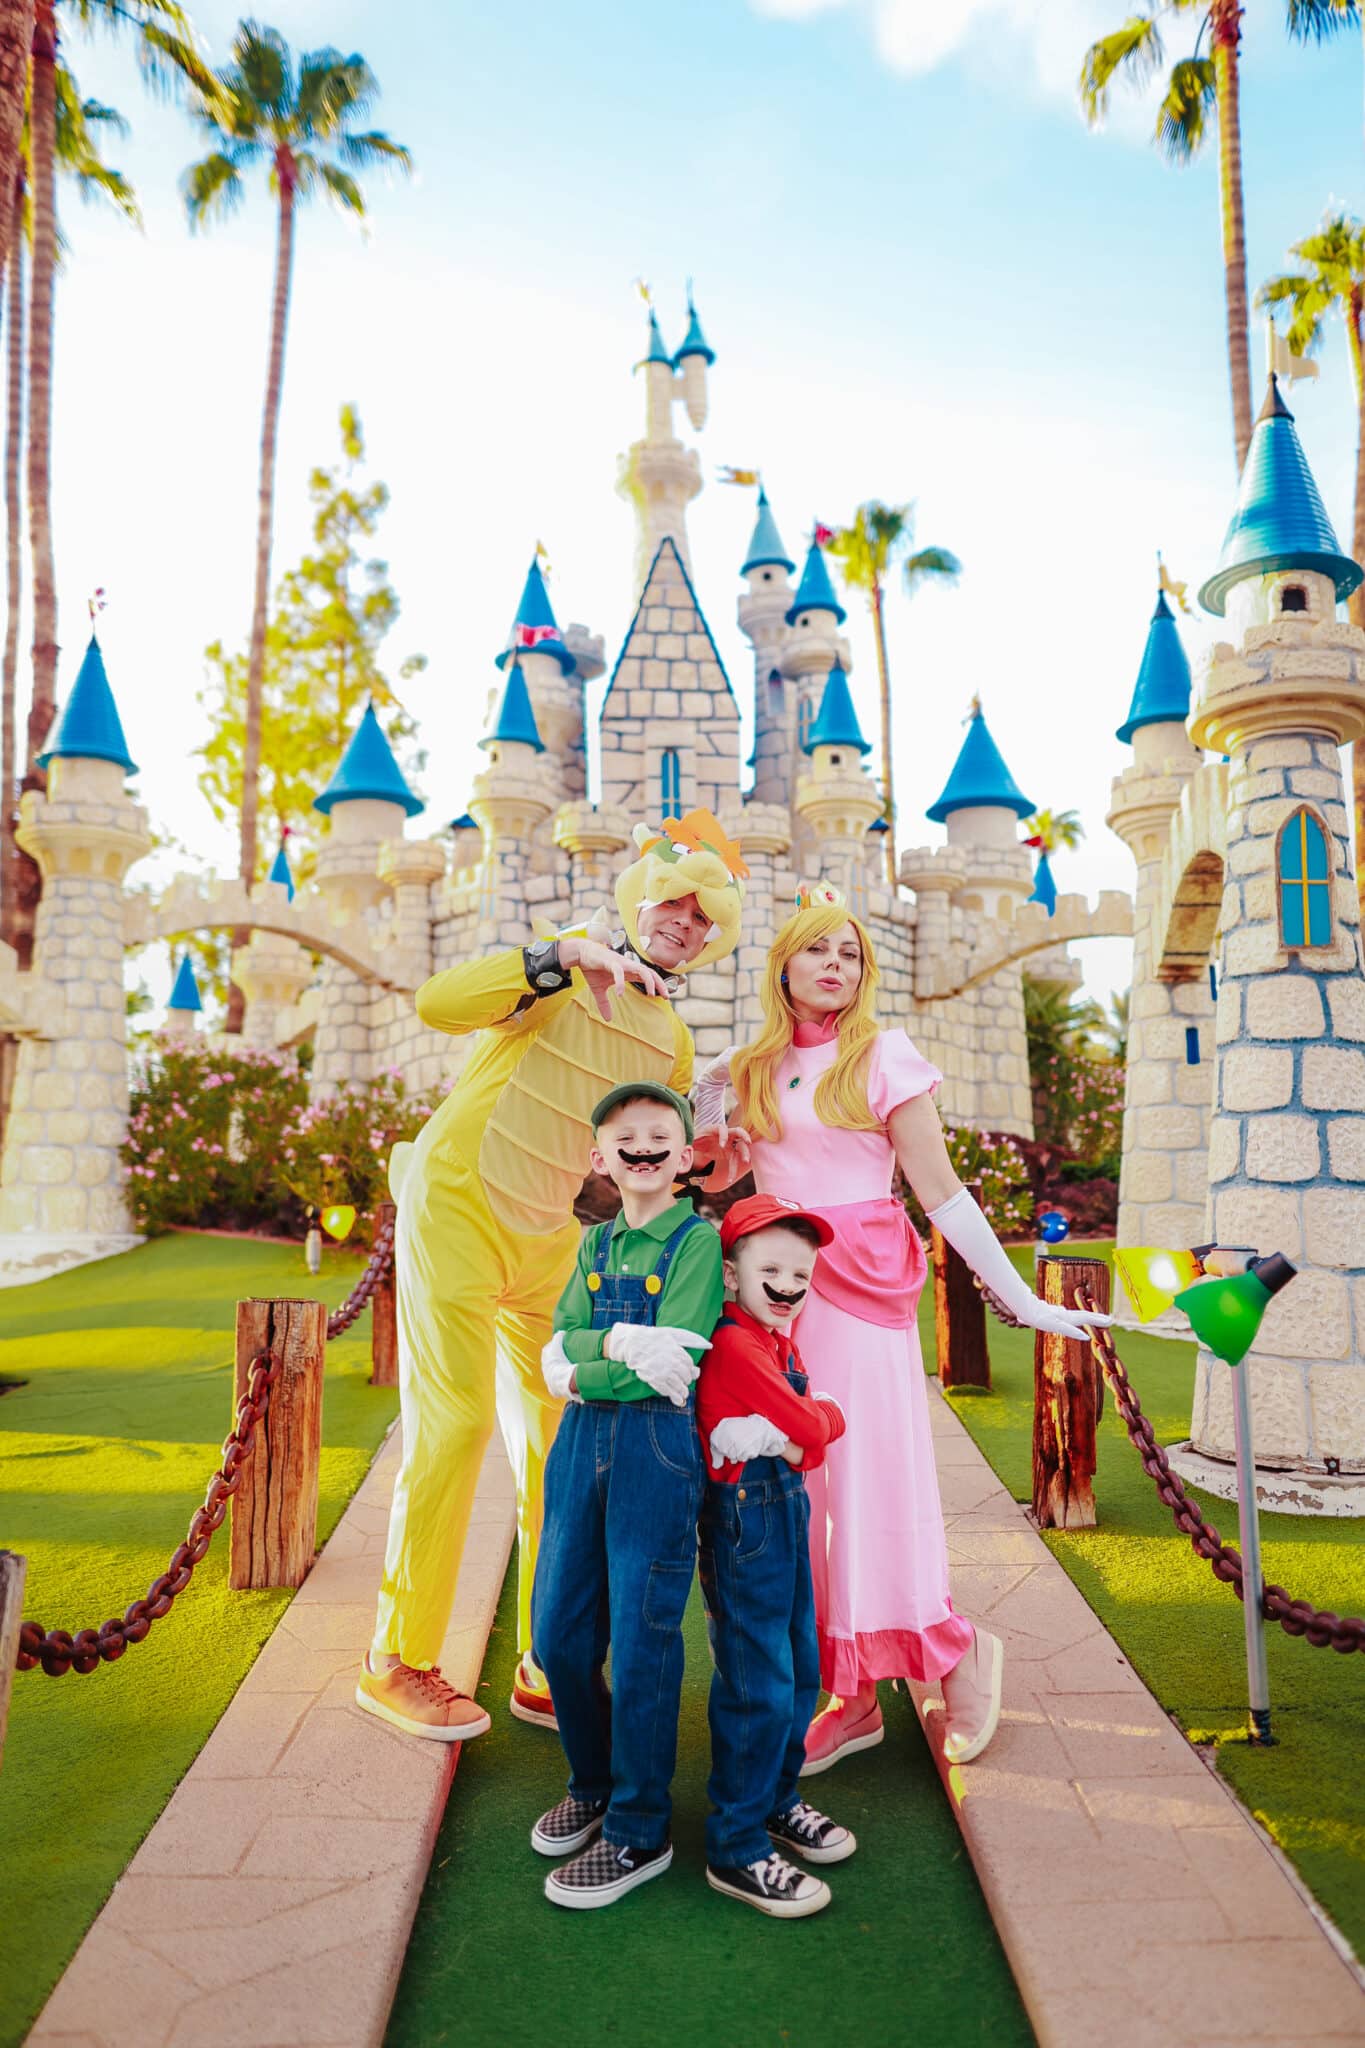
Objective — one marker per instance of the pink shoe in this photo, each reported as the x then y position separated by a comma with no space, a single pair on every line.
971,1698
841,1730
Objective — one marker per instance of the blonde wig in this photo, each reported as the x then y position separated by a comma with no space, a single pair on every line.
841,1093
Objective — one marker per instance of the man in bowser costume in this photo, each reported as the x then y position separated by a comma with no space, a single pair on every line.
487,1236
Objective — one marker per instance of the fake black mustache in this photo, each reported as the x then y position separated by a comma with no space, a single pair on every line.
786,1300
642,1158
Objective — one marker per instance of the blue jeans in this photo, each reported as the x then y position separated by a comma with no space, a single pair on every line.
755,1574
623,1488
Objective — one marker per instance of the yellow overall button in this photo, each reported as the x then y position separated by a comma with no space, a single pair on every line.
654,1285
594,1282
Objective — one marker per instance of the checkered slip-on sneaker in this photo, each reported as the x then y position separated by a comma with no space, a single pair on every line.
812,1836
773,1885
605,1873
568,1826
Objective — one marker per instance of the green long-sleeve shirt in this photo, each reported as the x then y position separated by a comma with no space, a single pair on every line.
692,1298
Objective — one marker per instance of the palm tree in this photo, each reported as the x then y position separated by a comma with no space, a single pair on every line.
166,53
298,124
880,537
1199,86
1332,281
1052,829
77,157
16,36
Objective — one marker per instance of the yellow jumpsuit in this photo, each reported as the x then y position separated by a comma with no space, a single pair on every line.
486,1241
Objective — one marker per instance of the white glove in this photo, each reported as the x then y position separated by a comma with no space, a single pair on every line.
961,1222
658,1355
558,1369
738,1438
708,1091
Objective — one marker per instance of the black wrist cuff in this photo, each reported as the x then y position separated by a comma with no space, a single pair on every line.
541,965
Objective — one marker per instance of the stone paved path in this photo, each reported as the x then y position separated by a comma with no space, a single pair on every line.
270,1905
1138,1905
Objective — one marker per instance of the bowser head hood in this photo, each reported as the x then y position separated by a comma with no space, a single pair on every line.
691,857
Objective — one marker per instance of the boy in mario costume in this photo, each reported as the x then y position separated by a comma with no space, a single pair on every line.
761,1430
486,1233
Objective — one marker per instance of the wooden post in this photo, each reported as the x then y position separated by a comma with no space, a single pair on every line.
964,1360
12,1570
384,1315
275,1510
1066,1383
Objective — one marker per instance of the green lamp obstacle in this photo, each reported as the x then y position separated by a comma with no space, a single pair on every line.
1225,1314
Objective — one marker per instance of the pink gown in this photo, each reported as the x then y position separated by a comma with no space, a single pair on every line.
879,1556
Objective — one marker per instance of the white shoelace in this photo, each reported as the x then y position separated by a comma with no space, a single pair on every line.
775,1872
806,1820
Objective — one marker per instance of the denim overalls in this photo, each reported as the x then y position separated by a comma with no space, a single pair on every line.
623,1489
755,1575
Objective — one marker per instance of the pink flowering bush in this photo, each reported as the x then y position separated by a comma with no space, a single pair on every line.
202,1134
337,1149
995,1160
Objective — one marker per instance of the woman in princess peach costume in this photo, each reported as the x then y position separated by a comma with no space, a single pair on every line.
832,1103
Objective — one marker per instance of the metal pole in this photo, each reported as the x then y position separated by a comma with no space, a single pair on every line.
1253,1581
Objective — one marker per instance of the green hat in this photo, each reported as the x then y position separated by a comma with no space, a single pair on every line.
630,1091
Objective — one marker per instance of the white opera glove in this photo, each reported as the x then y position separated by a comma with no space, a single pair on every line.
738,1438
961,1222
659,1355
557,1369
708,1091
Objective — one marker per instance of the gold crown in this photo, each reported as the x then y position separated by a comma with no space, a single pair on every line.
819,896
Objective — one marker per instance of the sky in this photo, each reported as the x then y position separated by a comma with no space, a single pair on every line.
925,279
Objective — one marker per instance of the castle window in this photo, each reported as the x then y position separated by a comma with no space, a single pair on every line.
767,575
670,780
835,759
1191,1045
1304,870
804,714
1293,598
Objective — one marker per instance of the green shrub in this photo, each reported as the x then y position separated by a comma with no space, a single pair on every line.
993,1159
337,1149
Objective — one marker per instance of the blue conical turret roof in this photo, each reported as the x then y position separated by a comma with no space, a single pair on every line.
1162,691
368,769
836,722
656,352
281,871
980,779
464,823
516,721
91,729
1280,521
815,593
185,994
1044,886
765,543
694,341
535,609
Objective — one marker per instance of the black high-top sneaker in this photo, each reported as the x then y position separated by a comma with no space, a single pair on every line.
570,1825
811,1835
605,1873
772,1885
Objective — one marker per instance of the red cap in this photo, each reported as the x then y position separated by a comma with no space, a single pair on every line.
756,1212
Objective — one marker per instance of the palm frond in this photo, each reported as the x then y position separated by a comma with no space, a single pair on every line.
95,180
260,58
342,188
169,59
1136,49
1182,121
333,89
929,565
213,188
373,148
1316,21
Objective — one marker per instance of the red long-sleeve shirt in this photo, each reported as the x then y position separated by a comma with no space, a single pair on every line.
744,1373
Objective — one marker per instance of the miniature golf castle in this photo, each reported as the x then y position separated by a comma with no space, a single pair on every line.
1253,1092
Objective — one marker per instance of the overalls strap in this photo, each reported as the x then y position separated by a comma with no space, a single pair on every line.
631,1297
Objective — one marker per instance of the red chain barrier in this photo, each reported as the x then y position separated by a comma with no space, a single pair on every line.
376,1268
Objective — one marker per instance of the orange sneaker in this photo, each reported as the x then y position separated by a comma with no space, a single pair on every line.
841,1730
530,1701
420,1703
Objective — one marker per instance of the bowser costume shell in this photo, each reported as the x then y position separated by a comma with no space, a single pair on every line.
486,1234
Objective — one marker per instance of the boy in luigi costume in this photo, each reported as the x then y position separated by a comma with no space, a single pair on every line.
624,1483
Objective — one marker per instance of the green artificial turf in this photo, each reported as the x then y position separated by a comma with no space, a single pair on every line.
906,1952
104,1455
1182,1629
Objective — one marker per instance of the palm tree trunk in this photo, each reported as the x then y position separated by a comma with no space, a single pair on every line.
14,437
884,686
16,38
43,125
1227,34
265,526
1354,310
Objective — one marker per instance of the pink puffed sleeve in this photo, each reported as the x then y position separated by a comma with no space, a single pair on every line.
898,1074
